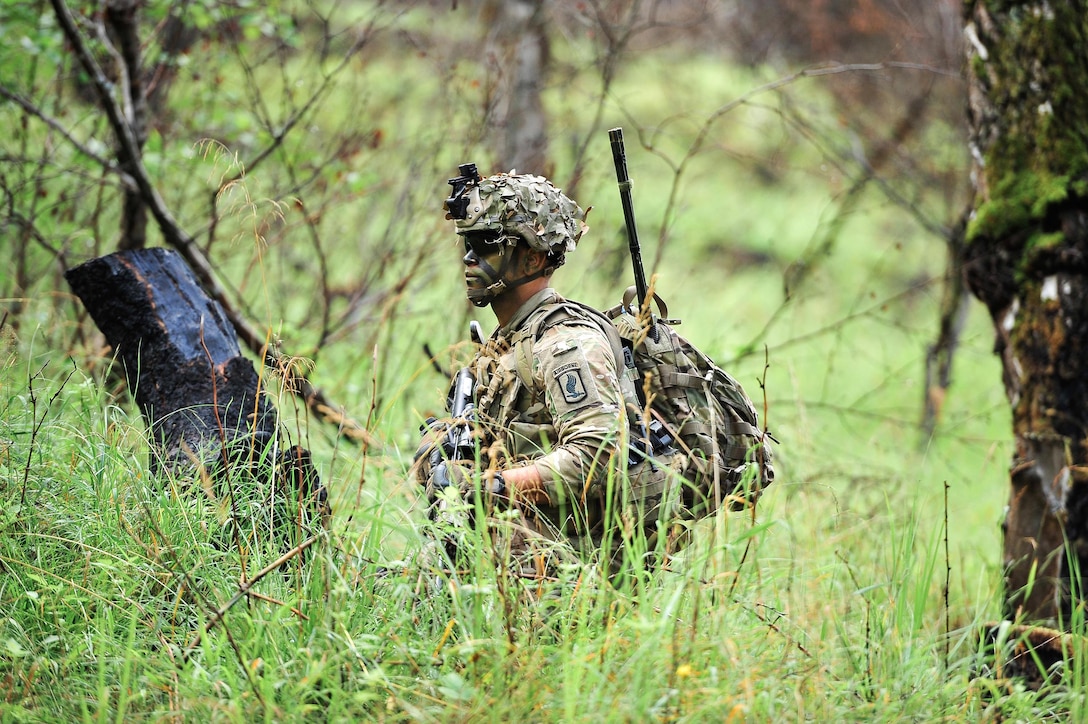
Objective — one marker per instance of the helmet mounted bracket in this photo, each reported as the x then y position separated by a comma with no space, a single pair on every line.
457,203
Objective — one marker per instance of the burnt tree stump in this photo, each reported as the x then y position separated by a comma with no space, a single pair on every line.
200,398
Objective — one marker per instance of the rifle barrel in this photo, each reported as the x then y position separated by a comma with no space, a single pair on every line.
619,157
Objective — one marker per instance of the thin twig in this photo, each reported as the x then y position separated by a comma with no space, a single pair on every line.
275,601
180,240
243,591
127,181
774,627
761,463
947,583
37,426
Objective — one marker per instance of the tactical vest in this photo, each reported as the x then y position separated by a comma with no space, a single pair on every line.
508,371
680,405
646,492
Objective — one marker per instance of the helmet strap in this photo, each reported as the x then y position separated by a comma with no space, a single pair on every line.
483,297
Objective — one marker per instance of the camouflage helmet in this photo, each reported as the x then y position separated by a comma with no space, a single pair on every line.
527,206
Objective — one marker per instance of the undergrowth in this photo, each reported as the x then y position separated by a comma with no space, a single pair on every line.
856,591
123,599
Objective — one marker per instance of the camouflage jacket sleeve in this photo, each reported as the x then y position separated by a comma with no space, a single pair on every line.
575,370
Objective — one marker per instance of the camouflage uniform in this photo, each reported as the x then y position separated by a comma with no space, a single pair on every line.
565,409
551,391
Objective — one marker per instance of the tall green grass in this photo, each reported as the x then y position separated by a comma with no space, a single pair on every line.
854,593
117,593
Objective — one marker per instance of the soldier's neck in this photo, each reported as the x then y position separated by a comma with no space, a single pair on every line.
509,302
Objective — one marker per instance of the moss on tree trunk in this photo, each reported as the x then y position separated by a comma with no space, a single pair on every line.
1026,246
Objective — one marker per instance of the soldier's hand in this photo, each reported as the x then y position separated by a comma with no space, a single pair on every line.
432,432
450,473
460,474
432,449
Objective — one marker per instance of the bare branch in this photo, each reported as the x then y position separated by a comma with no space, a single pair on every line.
176,237
126,180
704,131
243,591
280,135
124,72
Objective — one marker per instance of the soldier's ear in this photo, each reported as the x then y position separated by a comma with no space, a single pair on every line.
533,260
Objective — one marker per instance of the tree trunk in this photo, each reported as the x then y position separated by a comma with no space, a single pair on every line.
123,21
201,399
1026,257
518,58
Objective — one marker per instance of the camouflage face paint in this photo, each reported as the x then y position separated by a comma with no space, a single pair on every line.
488,258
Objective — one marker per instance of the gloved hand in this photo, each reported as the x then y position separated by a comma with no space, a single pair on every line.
451,473
459,474
432,432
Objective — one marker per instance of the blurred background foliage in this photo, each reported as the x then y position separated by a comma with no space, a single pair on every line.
799,171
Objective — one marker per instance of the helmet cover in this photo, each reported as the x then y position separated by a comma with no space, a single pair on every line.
528,206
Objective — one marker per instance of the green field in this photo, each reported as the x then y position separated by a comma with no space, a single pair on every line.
854,593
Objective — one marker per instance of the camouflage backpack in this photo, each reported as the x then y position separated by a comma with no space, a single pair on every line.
702,409
697,409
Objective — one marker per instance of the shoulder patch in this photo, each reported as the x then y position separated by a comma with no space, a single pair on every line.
571,384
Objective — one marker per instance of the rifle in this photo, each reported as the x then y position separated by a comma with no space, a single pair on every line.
458,443
454,442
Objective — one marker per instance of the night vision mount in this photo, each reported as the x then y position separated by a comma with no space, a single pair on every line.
457,203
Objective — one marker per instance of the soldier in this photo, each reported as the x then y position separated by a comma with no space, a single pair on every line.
553,425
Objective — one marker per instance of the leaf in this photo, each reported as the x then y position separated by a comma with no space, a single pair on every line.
455,688
14,649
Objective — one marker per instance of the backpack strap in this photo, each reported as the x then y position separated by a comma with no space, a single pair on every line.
621,350
523,359
673,377
523,340
559,312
